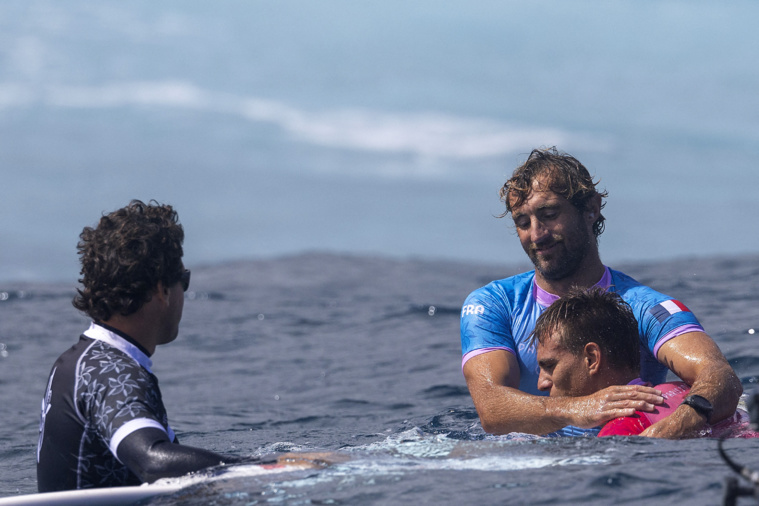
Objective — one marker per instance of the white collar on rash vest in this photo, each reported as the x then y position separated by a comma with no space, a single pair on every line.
102,334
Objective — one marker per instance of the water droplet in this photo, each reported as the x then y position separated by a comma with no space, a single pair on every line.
751,331
431,311
260,316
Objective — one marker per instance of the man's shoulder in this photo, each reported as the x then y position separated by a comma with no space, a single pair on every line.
75,352
103,360
500,298
102,349
510,286
632,290
646,302
109,380
620,279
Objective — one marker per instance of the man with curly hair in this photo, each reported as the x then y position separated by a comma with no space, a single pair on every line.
556,209
103,421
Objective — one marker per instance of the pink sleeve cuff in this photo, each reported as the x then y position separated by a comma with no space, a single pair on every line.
676,332
474,353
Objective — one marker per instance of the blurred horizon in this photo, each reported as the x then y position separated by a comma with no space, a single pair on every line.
277,128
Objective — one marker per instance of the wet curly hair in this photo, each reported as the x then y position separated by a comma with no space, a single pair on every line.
125,257
592,315
560,173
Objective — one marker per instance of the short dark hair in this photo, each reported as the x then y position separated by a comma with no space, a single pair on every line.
125,257
565,176
593,315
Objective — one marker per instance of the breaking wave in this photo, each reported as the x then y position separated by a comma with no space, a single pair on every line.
423,134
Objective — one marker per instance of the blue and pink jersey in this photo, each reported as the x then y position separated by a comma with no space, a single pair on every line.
502,316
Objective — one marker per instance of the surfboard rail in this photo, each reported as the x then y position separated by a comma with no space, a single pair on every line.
110,496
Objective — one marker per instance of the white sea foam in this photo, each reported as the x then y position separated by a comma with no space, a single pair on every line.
414,449
13,95
428,135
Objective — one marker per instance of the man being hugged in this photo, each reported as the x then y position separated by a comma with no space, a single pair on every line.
557,213
588,340
103,421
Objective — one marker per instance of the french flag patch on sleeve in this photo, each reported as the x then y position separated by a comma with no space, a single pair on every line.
667,308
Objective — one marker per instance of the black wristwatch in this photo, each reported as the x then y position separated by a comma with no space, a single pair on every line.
701,405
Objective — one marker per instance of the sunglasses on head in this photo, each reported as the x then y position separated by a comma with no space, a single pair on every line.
185,280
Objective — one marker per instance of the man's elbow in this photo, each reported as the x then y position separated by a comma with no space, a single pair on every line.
493,419
736,386
169,460
152,469
492,429
491,424
732,387
729,391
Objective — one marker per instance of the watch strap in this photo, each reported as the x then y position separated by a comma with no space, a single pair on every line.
700,405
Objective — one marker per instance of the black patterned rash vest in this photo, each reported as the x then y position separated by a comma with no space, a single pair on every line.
99,391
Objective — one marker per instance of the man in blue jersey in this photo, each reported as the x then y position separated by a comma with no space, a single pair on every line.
556,209
103,421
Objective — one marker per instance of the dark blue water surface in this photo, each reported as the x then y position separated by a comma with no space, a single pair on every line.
360,355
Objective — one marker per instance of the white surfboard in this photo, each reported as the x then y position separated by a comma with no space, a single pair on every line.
112,496
122,496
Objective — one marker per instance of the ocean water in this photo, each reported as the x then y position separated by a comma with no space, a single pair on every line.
336,165
360,355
